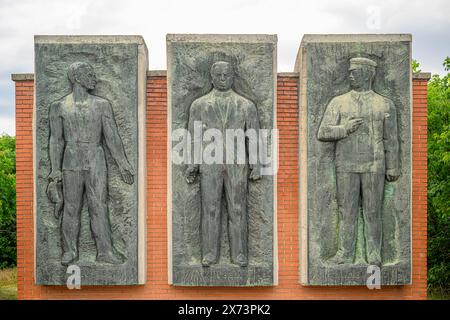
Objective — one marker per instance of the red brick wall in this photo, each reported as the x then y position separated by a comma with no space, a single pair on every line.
288,250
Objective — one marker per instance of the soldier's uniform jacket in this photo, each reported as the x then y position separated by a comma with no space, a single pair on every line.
373,147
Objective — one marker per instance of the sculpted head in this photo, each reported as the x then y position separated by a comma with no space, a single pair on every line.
222,75
361,73
83,74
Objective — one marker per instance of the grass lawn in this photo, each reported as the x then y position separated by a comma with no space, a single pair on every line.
438,294
8,284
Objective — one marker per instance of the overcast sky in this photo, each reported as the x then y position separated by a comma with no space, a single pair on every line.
428,21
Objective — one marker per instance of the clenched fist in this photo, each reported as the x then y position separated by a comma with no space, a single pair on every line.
191,173
392,175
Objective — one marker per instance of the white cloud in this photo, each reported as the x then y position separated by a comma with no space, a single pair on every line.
7,126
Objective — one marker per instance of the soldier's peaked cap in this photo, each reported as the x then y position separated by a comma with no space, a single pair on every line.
357,62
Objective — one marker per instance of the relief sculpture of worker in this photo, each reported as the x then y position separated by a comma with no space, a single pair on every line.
363,124
79,125
223,109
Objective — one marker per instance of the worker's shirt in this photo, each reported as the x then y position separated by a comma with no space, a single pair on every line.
81,128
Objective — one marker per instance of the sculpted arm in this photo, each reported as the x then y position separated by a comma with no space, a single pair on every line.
329,129
391,145
193,168
56,142
252,122
114,143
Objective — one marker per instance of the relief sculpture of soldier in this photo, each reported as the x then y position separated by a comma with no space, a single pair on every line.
222,108
79,122
363,125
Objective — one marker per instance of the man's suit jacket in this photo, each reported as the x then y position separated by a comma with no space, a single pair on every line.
223,111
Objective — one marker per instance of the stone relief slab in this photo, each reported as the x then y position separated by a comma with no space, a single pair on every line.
355,158
89,151
222,217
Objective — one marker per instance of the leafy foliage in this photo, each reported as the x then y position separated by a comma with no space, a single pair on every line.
439,180
7,201
415,66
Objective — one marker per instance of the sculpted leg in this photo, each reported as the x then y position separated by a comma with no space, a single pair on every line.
348,194
96,191
372,200
236,195
70,225
211,190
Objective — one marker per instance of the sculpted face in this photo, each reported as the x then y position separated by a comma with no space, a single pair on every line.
85,75
222,76
82,73
361,76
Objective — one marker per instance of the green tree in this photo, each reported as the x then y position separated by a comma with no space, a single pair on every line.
439,181
415,66
7,201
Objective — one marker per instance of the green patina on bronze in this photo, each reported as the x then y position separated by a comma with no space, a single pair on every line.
358,169
222,215
86,161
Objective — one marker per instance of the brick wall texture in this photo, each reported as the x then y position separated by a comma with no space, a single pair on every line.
157,286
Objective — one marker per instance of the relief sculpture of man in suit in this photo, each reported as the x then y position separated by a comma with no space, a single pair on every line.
79,125
223,109
363,125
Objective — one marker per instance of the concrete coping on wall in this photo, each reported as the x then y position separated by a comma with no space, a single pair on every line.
22,76
156,73
91,39
422,75
288,74
357,37
163,73
228,38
